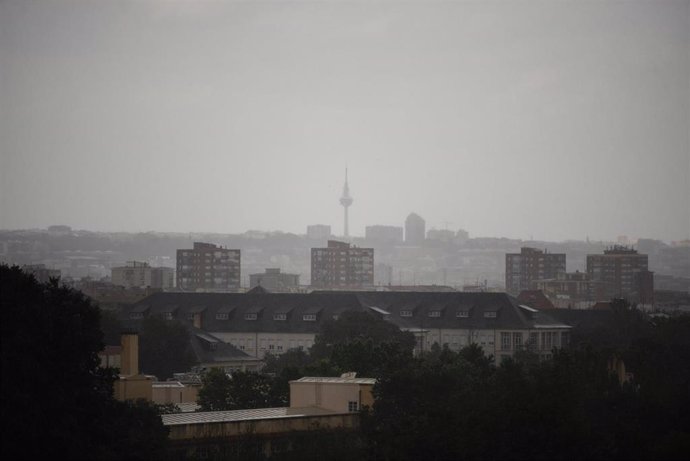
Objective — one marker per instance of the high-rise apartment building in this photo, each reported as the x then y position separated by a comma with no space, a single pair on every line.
141,275
624,273
342,265
415,229
208,267
529,265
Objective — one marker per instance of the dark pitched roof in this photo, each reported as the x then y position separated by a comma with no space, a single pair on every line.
536,299
258,290
429,310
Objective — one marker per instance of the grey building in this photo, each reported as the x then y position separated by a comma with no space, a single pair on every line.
342,265
415,229
208,267
275,281
530,265
384,234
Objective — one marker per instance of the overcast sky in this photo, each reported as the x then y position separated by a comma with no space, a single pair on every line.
553,119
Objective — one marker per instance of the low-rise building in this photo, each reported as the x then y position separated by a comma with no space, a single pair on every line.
275,281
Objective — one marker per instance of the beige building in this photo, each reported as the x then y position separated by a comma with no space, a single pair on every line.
345,394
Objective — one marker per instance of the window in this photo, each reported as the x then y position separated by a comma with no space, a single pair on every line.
434,313
505,341
136,315
462,314
406,313
309,317
517,340
222,316
565,339
190,316
271,347
279,316
168,316
490,314
250,316
352,406
533,340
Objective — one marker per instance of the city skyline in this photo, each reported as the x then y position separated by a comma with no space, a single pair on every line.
542,120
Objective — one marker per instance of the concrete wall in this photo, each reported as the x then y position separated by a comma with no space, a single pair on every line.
331,396
273,427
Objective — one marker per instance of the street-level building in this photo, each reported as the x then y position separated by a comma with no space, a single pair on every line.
208,267
342,266
277,322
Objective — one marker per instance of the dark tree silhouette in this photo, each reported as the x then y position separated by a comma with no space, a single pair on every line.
164,347
57,402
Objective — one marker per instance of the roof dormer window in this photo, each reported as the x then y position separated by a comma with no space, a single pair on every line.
462,314
309,317
250,316
490,314
279,316
222,316
406,313
434,313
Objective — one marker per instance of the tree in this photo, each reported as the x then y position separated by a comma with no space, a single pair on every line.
360,342
243,390
164,347
58,399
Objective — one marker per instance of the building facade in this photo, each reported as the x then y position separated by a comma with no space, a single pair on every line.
318,232
529,265
384,234
624,274
137,274
342,265
415,229
208,267
274,280
258,324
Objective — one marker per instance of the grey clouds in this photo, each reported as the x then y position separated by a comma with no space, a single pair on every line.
555,120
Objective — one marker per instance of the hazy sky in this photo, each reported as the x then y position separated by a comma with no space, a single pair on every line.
552,119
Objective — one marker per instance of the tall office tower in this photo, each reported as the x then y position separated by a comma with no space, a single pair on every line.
529,265
342,265
624,273
415,229
346,201
208,267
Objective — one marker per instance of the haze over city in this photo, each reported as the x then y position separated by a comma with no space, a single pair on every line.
543,120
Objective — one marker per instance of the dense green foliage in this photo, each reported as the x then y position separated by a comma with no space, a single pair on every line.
244,390
56,400
447,405
164,347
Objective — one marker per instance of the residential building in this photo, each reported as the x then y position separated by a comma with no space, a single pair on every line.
391,235
260,323
415,229
275,281
441,235
624,273
571,290
208,267
342,265
137,274
529,265
318,232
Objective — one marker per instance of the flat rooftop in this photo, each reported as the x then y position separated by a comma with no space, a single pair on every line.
241,415
329,380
